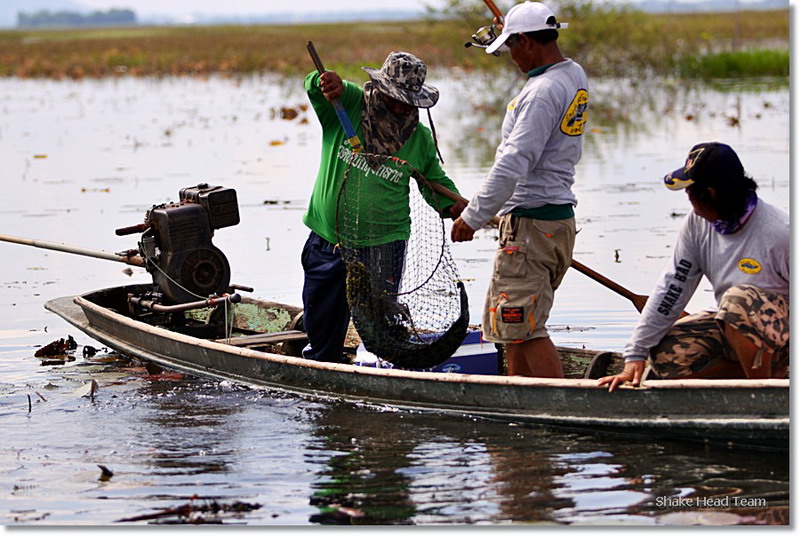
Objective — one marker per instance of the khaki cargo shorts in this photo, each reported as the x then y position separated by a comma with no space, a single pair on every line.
529,265
697,341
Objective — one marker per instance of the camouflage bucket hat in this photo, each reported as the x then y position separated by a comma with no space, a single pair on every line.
402,77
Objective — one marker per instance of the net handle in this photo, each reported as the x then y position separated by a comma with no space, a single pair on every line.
443,190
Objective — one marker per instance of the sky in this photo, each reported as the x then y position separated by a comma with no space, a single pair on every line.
249,7
178,8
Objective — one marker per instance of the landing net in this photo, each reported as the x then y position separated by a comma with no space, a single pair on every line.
408,303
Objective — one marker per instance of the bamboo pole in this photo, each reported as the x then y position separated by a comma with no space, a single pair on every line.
130,257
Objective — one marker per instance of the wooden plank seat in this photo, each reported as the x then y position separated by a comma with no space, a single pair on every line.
260,339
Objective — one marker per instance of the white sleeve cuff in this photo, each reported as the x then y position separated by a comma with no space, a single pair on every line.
634,358
470,219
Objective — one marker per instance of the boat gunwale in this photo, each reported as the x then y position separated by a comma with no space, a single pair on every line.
546,401
449,377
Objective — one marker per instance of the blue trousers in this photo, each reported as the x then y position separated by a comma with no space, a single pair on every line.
325,310
326,314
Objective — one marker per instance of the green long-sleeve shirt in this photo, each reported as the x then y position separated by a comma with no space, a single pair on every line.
380,211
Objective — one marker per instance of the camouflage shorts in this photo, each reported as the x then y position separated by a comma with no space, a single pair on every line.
697,341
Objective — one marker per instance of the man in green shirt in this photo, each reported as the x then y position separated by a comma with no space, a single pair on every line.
385,113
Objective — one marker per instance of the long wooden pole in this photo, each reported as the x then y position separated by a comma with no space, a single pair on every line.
637,299
341,113
132,259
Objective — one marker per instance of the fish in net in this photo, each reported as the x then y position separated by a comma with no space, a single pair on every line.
407,301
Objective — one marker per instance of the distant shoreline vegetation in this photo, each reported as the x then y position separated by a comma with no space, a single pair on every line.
608,41
71,19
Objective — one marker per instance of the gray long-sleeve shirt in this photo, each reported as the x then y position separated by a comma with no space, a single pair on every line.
542,141
757,255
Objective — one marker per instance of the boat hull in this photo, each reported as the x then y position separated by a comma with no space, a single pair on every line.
743,412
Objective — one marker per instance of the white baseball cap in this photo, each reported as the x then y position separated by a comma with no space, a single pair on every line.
522,18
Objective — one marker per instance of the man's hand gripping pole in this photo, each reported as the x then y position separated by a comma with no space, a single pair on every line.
341,113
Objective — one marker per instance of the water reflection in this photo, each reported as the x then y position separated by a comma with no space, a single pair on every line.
323,462
362,466
185,435
78,153
620,110
393,467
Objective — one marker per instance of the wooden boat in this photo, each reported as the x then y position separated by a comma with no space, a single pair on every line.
740,412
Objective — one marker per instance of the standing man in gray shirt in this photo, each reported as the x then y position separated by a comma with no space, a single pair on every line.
741,244
530,187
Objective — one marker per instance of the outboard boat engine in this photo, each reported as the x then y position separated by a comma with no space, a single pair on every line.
176,243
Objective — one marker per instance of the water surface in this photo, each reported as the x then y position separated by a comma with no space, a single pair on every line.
81,159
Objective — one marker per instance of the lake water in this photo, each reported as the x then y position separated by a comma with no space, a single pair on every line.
80,159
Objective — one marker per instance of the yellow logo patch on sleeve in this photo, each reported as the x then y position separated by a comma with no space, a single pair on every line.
574,120
512,104
749,266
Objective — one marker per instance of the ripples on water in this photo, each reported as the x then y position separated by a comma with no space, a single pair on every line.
82,159
170,439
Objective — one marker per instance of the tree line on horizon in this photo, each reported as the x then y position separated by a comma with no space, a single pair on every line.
50,19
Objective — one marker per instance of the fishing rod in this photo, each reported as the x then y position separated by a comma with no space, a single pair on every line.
341,113
495,11
637,299
485,35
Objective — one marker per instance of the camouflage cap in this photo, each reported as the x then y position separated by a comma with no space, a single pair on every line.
403,77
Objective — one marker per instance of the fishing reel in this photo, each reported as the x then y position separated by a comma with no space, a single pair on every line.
483,37
176,243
